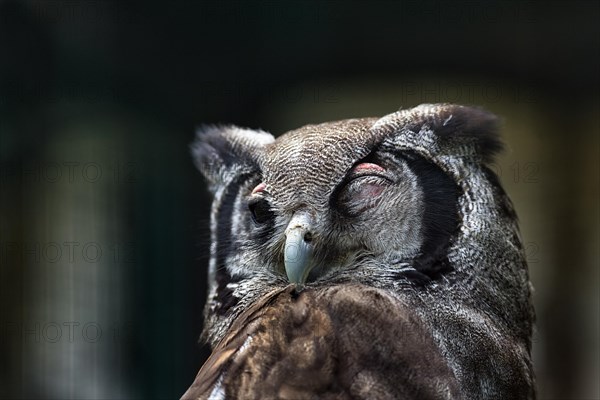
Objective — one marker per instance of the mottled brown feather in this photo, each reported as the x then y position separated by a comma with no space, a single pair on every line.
326,344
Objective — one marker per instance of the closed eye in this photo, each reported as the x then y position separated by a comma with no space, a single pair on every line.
360,192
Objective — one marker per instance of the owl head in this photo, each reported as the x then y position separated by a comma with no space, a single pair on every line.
405,202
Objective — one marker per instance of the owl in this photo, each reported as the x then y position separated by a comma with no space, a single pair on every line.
372,258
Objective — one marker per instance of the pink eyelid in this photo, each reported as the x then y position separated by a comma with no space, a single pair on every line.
259,188
368,167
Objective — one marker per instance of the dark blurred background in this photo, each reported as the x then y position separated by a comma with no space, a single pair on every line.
103,231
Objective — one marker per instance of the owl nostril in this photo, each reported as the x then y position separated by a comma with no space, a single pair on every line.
308,237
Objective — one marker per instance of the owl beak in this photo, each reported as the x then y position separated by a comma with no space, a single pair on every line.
298,249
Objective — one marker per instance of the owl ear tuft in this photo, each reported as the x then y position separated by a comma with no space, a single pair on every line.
455,125
223,152
472,123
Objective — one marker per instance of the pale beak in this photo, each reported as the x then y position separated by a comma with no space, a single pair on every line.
298,248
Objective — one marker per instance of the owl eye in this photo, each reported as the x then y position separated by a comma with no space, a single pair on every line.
362,188
361,193
260,210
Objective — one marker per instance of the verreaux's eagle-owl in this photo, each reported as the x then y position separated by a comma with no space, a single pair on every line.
374,258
